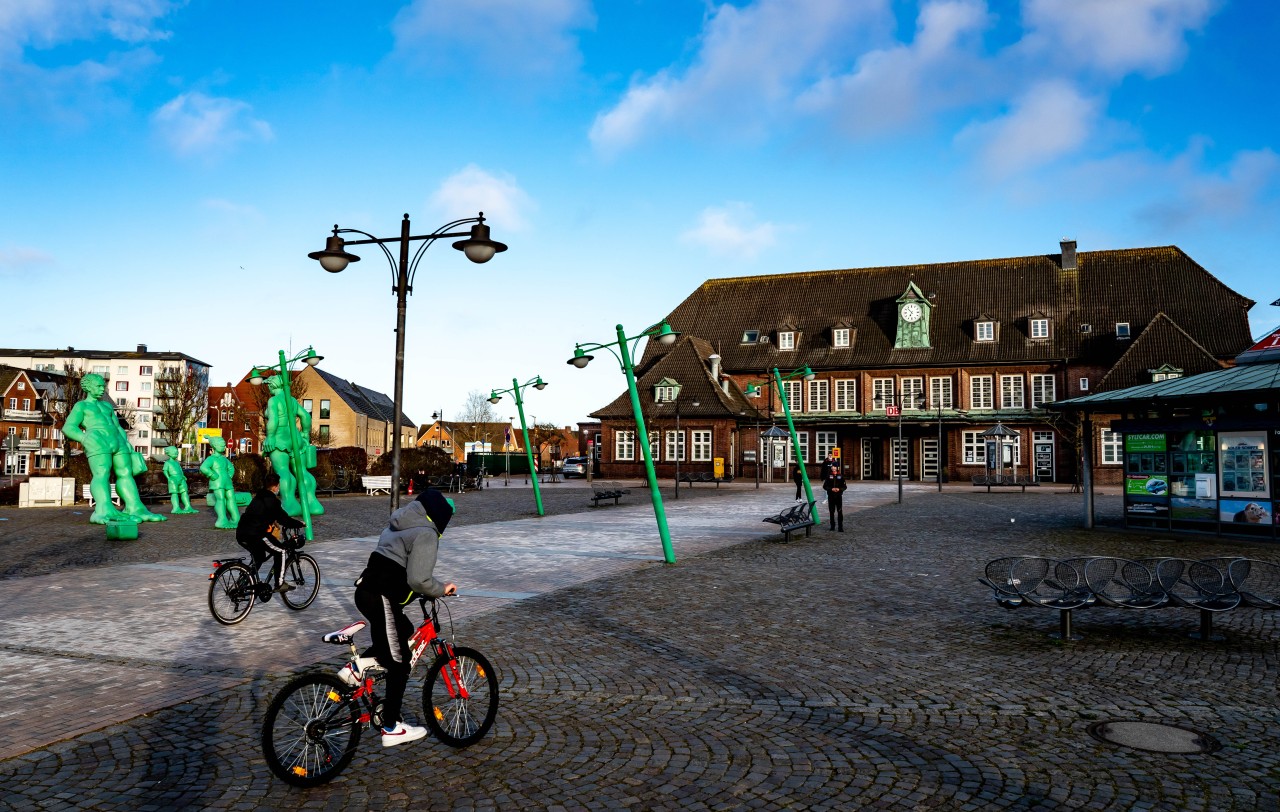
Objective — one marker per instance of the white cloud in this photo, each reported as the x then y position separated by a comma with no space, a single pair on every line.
731,231
1193,194
510,37
19,258
472,189
749,65
46,23
1051,120
1116,37
196,124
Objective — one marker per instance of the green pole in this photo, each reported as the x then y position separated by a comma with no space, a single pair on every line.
295,453
795,445
528,449
659,511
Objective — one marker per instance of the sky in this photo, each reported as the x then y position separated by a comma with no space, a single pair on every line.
167,165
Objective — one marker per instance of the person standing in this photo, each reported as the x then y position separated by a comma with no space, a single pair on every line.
797,478
835,487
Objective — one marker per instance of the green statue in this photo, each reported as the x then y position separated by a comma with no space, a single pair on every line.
222,489
282,433
178,496
93,423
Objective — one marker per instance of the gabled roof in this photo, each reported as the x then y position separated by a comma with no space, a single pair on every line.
1127,285
1162,342
1248,380
686,362
362,400
72,352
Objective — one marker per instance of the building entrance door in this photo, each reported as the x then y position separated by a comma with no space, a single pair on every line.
1043,456
929,460
872,460
901,461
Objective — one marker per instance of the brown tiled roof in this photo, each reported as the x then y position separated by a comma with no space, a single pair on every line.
687,362
1128,285
1162,342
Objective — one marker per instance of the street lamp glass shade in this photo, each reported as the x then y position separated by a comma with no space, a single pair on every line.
808,374
479,248
333,258
580,359
666,335
312,359
494,397
540,385
753,391
255,377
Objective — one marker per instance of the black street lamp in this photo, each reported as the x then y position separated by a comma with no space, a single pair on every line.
334,259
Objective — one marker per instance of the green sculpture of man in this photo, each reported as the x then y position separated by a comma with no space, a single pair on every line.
93,423
178,495
222,489
283,432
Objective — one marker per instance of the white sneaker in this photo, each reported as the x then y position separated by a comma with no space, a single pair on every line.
402,733
353,673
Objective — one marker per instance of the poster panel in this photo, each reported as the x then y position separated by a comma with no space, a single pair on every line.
1242,464
1199,509
1245,511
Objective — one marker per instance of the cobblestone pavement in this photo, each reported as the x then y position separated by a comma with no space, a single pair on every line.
863,670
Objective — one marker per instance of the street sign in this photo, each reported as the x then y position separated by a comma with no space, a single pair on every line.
892,411
590,443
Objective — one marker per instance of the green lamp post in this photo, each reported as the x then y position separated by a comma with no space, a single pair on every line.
495,395
808,375
334,258
296,444
663,335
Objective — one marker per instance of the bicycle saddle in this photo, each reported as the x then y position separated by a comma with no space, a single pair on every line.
343,636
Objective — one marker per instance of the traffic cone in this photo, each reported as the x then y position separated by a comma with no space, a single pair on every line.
411,486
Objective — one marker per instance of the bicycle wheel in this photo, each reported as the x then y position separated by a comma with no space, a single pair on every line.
231,594
304,574
311,730
453,719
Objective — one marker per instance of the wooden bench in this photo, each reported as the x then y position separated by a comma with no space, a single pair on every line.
796,517
607,490
87,494
979,480
376,484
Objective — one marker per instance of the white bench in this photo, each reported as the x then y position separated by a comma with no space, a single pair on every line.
87,493
374,484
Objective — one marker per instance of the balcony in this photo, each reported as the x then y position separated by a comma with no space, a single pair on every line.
23,414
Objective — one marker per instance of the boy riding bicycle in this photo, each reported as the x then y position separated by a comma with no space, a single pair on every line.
399,570
254,530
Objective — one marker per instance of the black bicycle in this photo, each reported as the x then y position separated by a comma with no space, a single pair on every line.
234,585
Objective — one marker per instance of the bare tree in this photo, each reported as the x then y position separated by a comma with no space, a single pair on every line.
476,423
545,437
182,399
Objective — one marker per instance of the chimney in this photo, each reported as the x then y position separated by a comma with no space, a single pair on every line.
715,367
1068,254
142,348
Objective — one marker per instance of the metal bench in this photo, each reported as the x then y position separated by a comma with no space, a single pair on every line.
979,480
796,517
703,476
376,484
601,489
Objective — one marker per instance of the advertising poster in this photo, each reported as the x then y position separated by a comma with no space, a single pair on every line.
1144,442
1201,509
1245,511
1147,508
1242,464
1143,485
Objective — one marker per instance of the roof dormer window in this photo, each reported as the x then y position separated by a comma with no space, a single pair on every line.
750,336
1039,327
1122,329
984,331
840,337
786,340
666,390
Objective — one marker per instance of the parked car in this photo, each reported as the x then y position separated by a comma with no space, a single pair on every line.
574,466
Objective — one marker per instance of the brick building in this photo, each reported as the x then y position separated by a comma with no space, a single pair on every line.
912,363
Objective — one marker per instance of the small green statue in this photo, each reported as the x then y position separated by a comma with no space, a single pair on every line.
93,423
178,496
282,434
222,489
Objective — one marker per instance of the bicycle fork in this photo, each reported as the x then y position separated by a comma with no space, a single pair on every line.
425,638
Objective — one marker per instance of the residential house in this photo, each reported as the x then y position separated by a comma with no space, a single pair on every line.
31,438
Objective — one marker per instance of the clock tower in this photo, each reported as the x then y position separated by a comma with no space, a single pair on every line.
914,312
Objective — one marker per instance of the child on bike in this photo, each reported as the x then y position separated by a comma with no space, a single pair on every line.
399,570
254,530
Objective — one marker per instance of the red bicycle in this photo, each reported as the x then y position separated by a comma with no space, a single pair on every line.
314,724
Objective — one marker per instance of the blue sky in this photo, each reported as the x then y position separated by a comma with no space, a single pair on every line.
165,167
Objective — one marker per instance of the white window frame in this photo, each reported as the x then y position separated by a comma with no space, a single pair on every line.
1039,328
664,394
655,446
981,392
941,395
122,370
144,370
984,331
1110,447
819,395
882,393
750,337
975,448
823,443
786,340
803,437
624,445
795,396
1084,384
1044,389
846,395
840,337
145,386
1122,329
1013,392
912,393
701,445
101,369
1164,376
675,445
122,386
144,403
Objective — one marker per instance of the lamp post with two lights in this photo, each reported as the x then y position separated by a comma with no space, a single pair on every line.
297,457
663,335
495,395
334,258
808,375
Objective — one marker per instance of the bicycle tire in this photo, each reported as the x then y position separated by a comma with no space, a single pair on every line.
311,730
304,573
231,593
453,720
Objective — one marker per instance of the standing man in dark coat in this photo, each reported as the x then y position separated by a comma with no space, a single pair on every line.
835,487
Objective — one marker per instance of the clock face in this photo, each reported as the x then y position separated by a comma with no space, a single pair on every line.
911,312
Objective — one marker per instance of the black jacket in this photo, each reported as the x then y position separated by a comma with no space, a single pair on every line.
263,511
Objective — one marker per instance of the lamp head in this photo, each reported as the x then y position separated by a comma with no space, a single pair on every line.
255,377
580,359
752,391
666,335
808,374
478,247
312,359
540,384
494,397
334,257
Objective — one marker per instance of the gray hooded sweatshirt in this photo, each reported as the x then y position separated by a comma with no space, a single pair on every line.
403,562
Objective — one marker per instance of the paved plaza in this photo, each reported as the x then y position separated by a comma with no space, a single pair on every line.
857,670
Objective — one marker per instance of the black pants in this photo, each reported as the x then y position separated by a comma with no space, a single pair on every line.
799,488
262,549
391,631
835,507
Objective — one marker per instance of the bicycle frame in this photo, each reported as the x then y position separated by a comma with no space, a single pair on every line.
425,638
